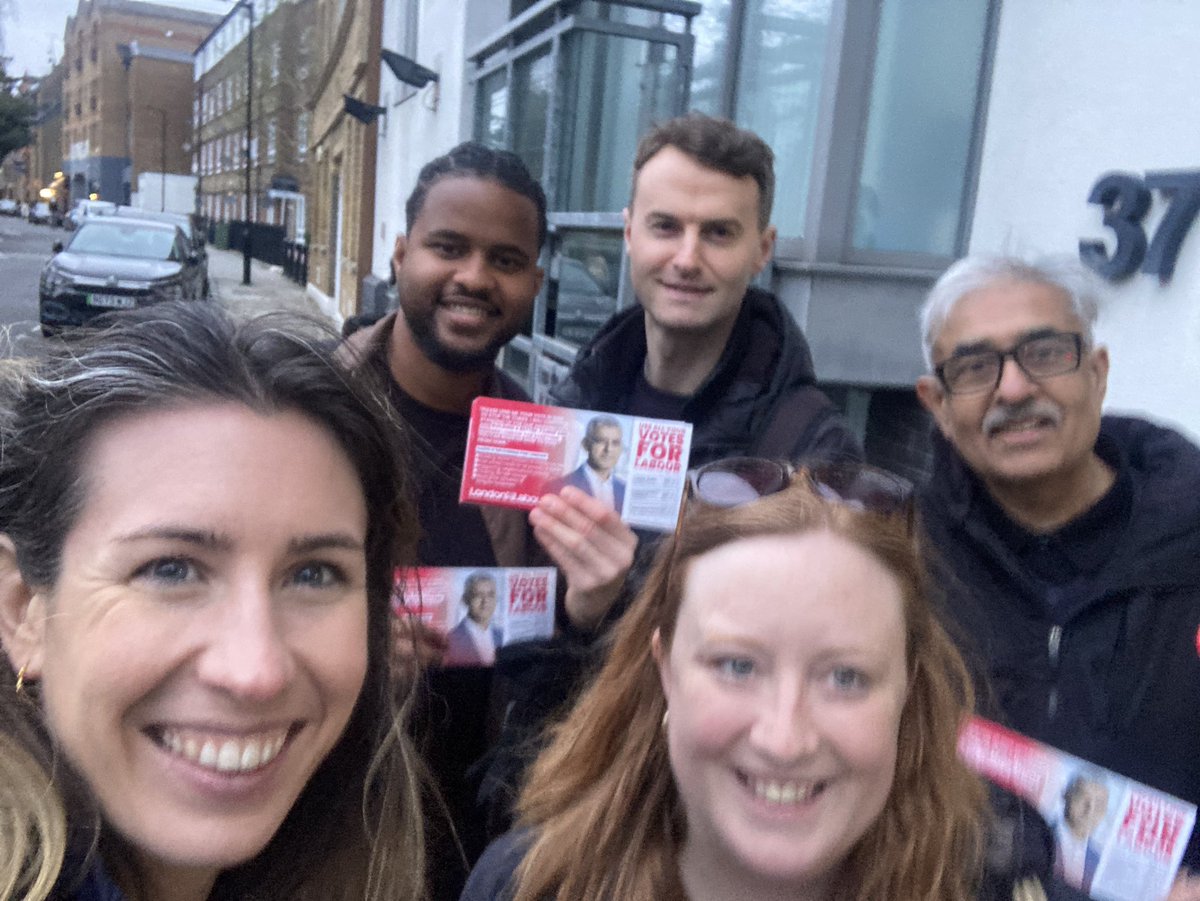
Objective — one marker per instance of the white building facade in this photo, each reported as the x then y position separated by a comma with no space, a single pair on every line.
1080,91
907,134
422,123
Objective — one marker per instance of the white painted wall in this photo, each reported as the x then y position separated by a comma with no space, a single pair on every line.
419,129
1080,88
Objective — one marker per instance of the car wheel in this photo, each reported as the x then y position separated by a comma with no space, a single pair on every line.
50,331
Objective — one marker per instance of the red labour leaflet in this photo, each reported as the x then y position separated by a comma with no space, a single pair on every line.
478,609
1116,839
516,452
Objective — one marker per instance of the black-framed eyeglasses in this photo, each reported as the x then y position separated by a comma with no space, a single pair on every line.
1039,356
742,480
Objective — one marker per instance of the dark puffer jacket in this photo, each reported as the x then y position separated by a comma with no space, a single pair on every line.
1111,671
766,362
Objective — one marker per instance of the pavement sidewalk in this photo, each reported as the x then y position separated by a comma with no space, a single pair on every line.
269,288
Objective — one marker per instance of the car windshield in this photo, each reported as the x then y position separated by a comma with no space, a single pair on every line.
124,239
183,223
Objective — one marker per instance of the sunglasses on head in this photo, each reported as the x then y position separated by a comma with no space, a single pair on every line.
743,480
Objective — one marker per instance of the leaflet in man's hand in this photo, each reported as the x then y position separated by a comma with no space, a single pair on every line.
1116,839
478,609
516,452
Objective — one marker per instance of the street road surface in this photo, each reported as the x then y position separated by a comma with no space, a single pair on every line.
24,250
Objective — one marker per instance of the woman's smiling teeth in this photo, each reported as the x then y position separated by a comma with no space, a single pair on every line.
776,792
224,754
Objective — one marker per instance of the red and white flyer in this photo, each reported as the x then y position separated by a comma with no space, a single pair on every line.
478,609
1116,839
516,452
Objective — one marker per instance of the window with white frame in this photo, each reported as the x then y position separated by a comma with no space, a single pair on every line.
302,136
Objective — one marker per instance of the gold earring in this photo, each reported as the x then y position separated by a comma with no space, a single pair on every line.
21,680
665,719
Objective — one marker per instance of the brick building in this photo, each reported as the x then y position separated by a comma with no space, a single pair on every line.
283,73
342,215
126,82
45,163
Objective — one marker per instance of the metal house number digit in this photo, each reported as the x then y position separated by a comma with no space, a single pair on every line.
1125,199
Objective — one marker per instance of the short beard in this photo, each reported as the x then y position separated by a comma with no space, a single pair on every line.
457,361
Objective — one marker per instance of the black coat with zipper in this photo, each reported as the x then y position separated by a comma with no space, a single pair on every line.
1110,672
766,362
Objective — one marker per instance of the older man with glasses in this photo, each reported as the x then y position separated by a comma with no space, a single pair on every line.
1070,541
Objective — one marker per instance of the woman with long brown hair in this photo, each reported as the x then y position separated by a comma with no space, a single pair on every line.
199,521
777,717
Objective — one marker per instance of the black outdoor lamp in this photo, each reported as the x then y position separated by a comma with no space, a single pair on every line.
408,70
365,113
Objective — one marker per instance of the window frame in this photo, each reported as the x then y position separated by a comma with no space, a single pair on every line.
827,242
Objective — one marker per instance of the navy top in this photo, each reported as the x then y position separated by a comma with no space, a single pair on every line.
492,877
97,885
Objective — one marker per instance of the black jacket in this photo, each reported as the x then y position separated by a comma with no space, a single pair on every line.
1111,672
766,362
1029,854
765,371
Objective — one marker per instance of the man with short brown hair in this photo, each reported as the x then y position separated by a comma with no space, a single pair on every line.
703,345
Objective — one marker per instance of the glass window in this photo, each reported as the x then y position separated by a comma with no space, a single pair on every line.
711,31
516,362
302,136
491,109
620,86
583,293
548,374
779,90
609,12
920,126
533,80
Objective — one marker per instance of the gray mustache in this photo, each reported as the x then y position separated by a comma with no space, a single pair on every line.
1003,415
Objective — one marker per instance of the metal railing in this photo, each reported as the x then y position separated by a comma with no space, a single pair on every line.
295,261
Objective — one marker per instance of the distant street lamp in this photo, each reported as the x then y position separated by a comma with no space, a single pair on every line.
248,6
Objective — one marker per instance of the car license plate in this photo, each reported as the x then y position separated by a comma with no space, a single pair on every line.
112,301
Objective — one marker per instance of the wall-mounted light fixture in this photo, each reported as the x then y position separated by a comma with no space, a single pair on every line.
365,113
408,70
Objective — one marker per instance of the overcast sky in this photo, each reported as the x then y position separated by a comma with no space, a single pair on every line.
33,29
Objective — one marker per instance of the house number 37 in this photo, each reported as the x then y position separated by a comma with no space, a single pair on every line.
1125,199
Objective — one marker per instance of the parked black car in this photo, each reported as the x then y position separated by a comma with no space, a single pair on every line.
112,264
187,225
